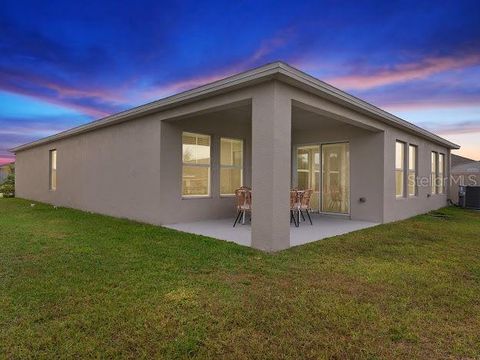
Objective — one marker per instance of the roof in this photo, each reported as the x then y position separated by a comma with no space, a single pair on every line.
471,167
277,70
459,160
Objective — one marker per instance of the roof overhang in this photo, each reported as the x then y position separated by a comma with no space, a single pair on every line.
277,70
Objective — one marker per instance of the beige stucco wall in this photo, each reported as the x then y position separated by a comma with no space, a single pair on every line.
112,171
233,123
366,166
401,208
271,166
369,176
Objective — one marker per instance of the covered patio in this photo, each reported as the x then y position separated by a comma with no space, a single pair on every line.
271,142
324,226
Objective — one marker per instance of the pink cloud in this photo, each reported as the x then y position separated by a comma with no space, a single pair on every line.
71,92
65,95
5,159
89,100
404,72
463,127
429,104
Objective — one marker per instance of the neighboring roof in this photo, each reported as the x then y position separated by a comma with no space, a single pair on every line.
471,167
276,70
459,160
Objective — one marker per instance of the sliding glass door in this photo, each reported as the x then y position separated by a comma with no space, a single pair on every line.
326,170
336,178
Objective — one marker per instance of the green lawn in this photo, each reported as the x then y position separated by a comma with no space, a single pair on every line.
74,284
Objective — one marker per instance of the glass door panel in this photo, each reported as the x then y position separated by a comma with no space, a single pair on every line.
336,178
308,172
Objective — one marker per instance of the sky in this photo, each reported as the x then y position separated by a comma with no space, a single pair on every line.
65,63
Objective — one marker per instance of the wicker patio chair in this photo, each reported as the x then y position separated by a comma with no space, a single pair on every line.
305,204
243,196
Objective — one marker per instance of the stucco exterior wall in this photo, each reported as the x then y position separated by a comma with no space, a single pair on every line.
175,208
366,166
368,175
401,208
113,171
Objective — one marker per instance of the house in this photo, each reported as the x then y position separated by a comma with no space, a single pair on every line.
5,170
459,160
179,159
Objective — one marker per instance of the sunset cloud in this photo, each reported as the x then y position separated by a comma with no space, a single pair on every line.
21,130
465,127
92,101
401,73
99,102
428,103
5,159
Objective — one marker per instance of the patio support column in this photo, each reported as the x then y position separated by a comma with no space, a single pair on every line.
271,152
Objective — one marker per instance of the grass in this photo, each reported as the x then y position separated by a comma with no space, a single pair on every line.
74,284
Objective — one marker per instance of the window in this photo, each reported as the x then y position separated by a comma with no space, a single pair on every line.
231,165
412,170
303,168
308,172
196,165
434,172
441,172
399,169
53,170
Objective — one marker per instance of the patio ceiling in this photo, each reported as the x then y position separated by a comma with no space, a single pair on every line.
302,119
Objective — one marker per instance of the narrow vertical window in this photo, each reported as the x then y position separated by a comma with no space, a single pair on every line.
196,165
441,172
231,165
434,171
303,168
53,170
412,170
399,169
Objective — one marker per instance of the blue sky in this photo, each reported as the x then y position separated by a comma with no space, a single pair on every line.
64,63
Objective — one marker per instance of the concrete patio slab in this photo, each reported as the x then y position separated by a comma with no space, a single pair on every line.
324,226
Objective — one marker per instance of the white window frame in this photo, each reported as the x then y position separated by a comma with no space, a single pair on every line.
402,169
441,174
51,171
411,171
209,166
240,167
307,171
434,172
